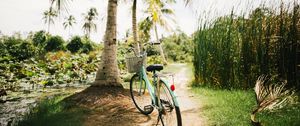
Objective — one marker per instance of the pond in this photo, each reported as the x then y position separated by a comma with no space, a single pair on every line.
17,104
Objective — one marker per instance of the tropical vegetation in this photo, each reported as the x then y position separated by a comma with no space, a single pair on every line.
233,51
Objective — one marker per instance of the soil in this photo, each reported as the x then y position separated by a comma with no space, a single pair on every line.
112,106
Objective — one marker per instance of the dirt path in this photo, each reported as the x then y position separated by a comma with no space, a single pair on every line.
189,104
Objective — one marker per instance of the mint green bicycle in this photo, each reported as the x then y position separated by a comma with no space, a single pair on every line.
159,94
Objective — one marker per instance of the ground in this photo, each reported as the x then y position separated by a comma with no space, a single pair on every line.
111,106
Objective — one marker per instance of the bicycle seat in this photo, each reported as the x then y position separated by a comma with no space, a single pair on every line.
154,67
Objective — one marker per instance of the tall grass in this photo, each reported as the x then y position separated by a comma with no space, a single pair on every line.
232,51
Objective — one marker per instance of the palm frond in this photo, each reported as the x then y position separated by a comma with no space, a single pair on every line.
60,5
270,95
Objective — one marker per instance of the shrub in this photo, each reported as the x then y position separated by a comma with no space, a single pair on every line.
75,44
3,51
87,47
19,49
54,43
25,50
39,38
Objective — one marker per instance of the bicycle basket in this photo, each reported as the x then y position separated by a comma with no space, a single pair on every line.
134,63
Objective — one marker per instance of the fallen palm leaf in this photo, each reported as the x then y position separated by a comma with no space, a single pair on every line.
270,96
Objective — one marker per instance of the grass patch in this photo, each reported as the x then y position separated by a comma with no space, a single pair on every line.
54,112
233,107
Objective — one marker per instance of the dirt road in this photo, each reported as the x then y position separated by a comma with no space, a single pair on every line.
189,104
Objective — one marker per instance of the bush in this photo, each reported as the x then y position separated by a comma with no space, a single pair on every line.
19,49
55,43
3,51
75,44
39,38
178,47
87,46
25,50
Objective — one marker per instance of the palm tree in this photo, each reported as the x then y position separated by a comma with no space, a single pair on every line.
69,22
59,5
134,29
158,12
108,72
89,24
49,16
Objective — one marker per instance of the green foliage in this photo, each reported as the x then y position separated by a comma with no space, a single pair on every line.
23,63
24,51
231,52
54,43
87,46
39,39
145,26
178,47
3,50
152,50
155,59
75,44
58,68
121,53
17,49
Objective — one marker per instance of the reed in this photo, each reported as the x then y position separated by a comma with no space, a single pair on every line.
232,51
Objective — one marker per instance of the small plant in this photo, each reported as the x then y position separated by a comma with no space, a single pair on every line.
270,96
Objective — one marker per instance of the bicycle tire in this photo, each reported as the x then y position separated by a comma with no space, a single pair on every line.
165,89
141,98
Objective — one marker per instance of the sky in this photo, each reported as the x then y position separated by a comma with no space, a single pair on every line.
26,15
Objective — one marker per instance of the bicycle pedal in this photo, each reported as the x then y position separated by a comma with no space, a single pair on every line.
167,106
163,111
148,108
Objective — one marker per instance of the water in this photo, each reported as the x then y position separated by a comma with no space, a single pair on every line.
19,103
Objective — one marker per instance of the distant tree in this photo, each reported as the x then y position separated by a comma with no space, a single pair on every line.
39,38
75,44
89,24
18,48
49,16
54,43
59,5
144,29
158,16
69,23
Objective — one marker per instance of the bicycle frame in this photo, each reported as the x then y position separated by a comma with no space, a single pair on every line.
152,89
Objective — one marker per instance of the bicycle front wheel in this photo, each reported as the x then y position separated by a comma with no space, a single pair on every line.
170,115
140,95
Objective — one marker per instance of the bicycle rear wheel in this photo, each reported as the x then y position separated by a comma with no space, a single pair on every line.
170,115
140,95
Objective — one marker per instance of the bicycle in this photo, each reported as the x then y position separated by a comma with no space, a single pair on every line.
159,94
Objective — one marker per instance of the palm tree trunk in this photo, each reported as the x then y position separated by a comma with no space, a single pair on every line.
134,29
49,25
108,72
70,32
160,46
